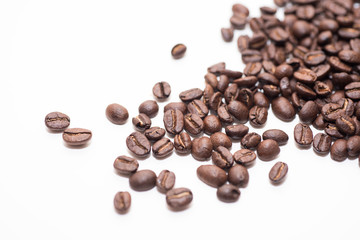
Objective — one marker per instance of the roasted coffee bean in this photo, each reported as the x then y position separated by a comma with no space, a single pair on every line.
283,109
238,110
258,40
268,10
322,89
141,122
278,35
150,108
268,149
352,90
215,69
314,58
322,143
333,131
198,107
355,45
182,143
122,202
162,147
301,29
246,96
246,82
349,56
208,92
227,34
240,9
338,151
258,116
76,136
222,157
215,101
211,79
269,66
306,12
220,139
178,51
126,165
244,156
345,125
138,144
303,135
236,131
328,25
212,175
224,115
201,148
304,91
324,38
238,22
116,113
142,180
243,42
253,68
161,90
308,112
267,78
238,175
250,140
338,65
349,33
296,101
154,133
212,124
250,55
271,91
278,172
191,94
300,51
223,83
285,88
319,122
353,146
228,193
283,70
277,135
173,121
280,3
305,76
179,198
57,121
193,124
321,70
332,111
231,93
176,106
165,181
261,100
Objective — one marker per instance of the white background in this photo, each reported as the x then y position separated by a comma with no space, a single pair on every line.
78,56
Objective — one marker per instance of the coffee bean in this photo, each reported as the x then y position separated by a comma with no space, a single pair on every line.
250,55
223,83
76,136
191,94
215,101
277,135
222,157
176,106
328,24
162,147
239,111
126,165
267,78
212,124
349,33
179,198
212,175
154,133
201,148
193,124
338,65
331,112
349,56
240,10
250,140
149,107
322,89
305,12
228,193
141,122
142,180
278,172
269,66
352,90
246,96
220,139
283,70
321,70
173,121
258,116
301,29
122,202
303,135
333,131
224,115
345,125
198,107
215,69
355,45
308,112
244,156
338,151
236,131
283,109
319,122
353,146
211,79
227,34
57,121
161,90
238,175
268,149
231,93
314,58
261,100
253,68
304,91
165,181
238,22
278,35
208,92
138,144
305,76
178,51
182,143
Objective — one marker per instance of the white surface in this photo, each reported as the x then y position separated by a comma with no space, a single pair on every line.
79,56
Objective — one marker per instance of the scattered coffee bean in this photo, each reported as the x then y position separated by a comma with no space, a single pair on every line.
176,106
173,121
182,143
228,193
179,198
345,125
278,172
161,90
178,51
250,140
201,148
244,156
191,94
154,133
238,175
126,165
165,181
76,136
236,131
268,149
303,135
283,109
141,122
162,147
277,135
239,111
138,144
149,107
212,124
122,202
222,157
220,139
322,143
258,116
198,107
212,175
142,180
338,151
353,146
57,121
227,34
193,124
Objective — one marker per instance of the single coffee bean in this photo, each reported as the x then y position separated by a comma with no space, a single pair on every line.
283,70
345,125
222,157
250,55
212,124
305,12
267,78
243,42
338,151
76,136
353,146
230,73
208,92
350,56
314,58
142,180
305,76
165,181
278,35
268,149
258,116
220,139
224,115
328,24
332,111
246,96
141,122
191,94
240,9
250,140
211,79
173,121
322,89
244,157
303,135
149,107
238,175
223,83
277,135
319,122
215,101
321,70
301,29
253,68
278,172
57,121
228,193
238,22
231,93
179,198
182,143
176,106
227,34
304,91
333,131
322,143
239,111
126,165
122,202
178,51
261,100
162,147
212,175
161,90
352,90
349,33
283,109
138,144
193,124
198,107
215,69
201,148
116,113
236,131
269,66
308,112
247,82
338,65
154,133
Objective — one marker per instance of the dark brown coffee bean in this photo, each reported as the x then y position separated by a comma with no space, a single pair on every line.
208,92
222,157
191,94
296,101
345,125
212,175
211,79
328,25
308,112
305,76
246,96
278,172
246,82
269,66
238,22
250,55
338,151
238,110
223,83
300,51
142,180
271,91
178,51
319,122
261,100
322,143
352,90
304,91
116,113
355,45
154,133
306,12
333,131
349,56
280,3
212,124
231,93
258,40
353,146
283,109
303,135
236,131
285,88
57,121
224,115
165,181
253,69
201,148
162,147
220,139
182,143
179,198
149,107
322,89
228,193
331,112
173,121
122,202
126,165
161,90
138,144
198,107
243,42
268,150
141,122
215,101
349,33
250,140
267,78
321,70
227,34
314,58
258,116
301,29
338,65
278,35
277,135
324,38
193,124
283,70
244,156
176,106
238,176
215,69
240,9
76,136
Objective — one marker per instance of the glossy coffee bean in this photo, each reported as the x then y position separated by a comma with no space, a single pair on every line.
277,135
141,122
278,172
57,121
238,175
191,94
149,107
332,111
116,113
305,76
261,100
179,198
126,165
349,56
76,136
154,133
173,121
322,143
182,143
178,51
239,111
162,147
250,140
308,112
208,93
224,114
212,175
176,106
161,90
222,157
268,150
253,68
303,135
353,146
122,202
352,90
283,109
244,157
220,139
258,116
338,151
216,68
228,193
165,181
345,125
333,131
227,34
198,107
236,131
193,124
201,148
138,144
212,124
142,180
